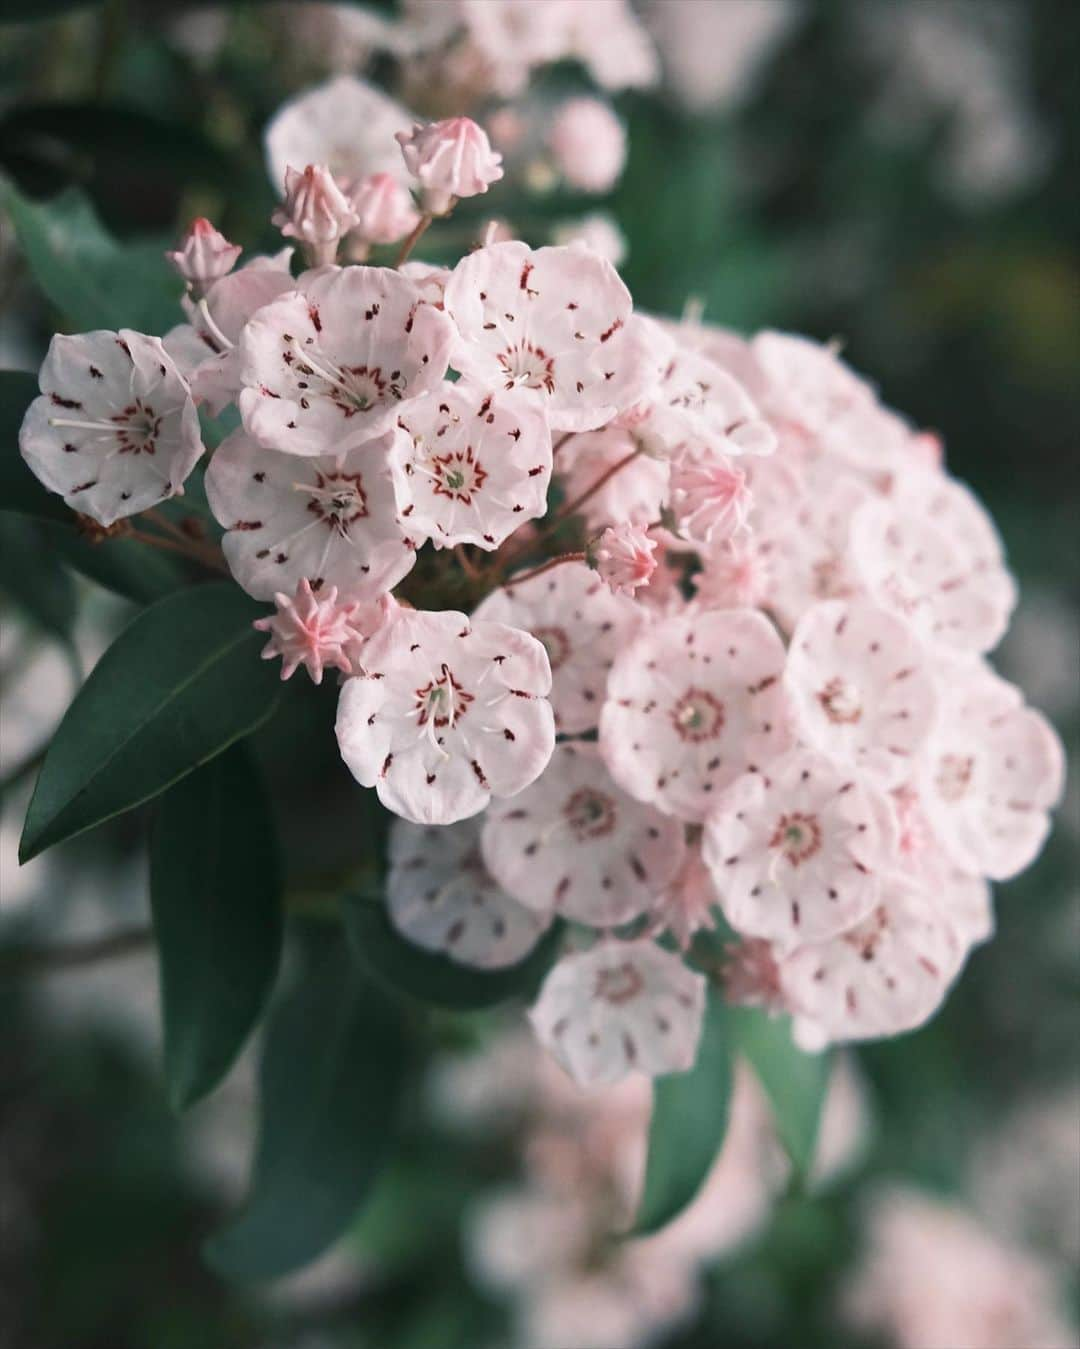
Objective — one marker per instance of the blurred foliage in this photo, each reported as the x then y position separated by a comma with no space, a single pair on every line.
792,211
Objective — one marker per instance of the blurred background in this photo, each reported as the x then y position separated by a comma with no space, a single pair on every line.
898,175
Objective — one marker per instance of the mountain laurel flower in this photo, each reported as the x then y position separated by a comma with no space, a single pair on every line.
316,212
310,630
204,255
623,558
115,430
708,496
384,209
588,144
446,713
449,159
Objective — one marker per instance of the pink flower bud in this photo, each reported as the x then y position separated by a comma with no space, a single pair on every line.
708,496
624,558
589,144
315,211
450,159
204,255
309,630
384,208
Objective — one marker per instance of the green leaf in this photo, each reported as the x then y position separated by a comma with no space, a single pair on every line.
92,280
331,1081
179,685
124,566
689,1121
436,979
33,578
794,1082
215,892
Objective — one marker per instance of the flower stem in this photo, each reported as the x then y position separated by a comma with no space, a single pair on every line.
572,507
414,238
545,566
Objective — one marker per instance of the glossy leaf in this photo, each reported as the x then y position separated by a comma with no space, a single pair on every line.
436,979
93,280
794,1082
215,892
689,1122
331,1080
180,684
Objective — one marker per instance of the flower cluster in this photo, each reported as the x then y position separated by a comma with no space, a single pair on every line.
640,624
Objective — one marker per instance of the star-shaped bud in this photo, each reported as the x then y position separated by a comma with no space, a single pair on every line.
449,159
316,212
204,255
384,210
623,558
316,631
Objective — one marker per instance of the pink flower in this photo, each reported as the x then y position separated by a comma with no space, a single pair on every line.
623,557
470,465
621,1007
708,496
204,255
692,703
440,895
316,211
798,850
861,688
115,430
596,231
450,159
589,144
575,844
384,209
751,975
329,366
685,907
734,575
331,520
581,625
310,630
556,320
445,714
990,773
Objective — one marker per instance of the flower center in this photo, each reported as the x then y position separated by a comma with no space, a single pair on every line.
457,475
442,702
698,716
954,776
136,428
590,814
337,499
840,702
556,643
528,366
797,836
618,984
352,388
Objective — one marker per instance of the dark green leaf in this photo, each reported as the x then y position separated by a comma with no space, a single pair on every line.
124,566
92,280
794,1082
21,11
331,1081
215,891
433,978
179,685
34,579
689,1121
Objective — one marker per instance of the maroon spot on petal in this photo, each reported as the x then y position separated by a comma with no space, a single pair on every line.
70,403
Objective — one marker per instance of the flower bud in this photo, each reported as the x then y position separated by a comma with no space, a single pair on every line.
589,144
450,159
204,255
623,556
708,496
384,209
315,211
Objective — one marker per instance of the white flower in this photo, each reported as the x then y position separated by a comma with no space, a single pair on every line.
446,714
575,843
471,466
618,1008
797,851
115,430
596,231
327,367
347,124
441,896
556,320
581,625
990,774
330,520
861,688
449,159
692,703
